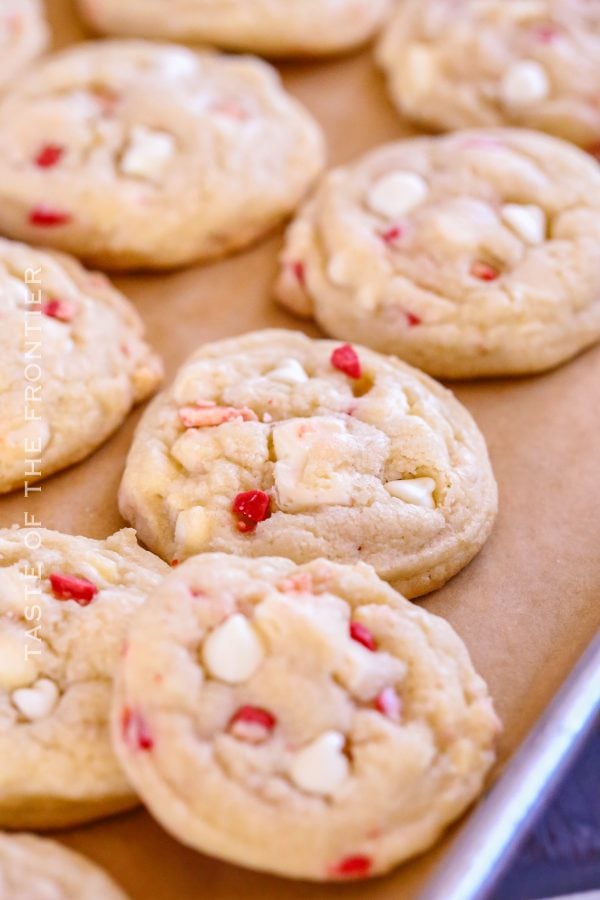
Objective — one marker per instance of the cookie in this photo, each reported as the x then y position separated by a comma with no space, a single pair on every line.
137,155
273,444
272,27
307,721
33,868
73,362
531,63
23,36
65,604
474,254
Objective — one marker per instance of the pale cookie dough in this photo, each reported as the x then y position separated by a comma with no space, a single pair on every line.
273,444
73,361
33,868
532,63
23,36
272,27
131,154
65,604
475,254
307,721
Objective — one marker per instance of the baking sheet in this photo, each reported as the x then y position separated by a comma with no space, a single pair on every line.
526,607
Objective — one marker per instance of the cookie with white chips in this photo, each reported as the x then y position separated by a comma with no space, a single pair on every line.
273,444
304,28
65,605
307,721
73,362
24,34
468,255
130,154
33,868
532,63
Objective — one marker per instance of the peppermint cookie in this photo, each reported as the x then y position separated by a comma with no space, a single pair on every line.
73,362
273,444
532,63
306,721
132,154
475,254
23,36
65,604
272,27
33,868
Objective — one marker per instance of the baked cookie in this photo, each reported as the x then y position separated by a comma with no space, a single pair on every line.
33,868
273,444
73,362
23,36
65,604
138,155
307,721
273,27
532,63
470,255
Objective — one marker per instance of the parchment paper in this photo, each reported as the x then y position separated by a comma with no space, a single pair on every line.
526,607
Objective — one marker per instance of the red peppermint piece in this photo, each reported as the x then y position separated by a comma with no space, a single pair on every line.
299,272
413,320
352,867
253,507
393,234
59,309
345,359
67,587
204,416
360,633
46,217
389,704
135,731
252,724
484,271
50,155
546,33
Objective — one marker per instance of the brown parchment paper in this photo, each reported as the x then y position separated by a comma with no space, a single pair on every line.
526,607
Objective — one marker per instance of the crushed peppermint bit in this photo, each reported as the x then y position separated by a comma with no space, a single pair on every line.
389,704
68,587
252,724
299,583
345,359
412,319
393,234
46,217
299,271
207,416
253,507
352,867
62,310
361,634
50,155
484,271
546,32
135,731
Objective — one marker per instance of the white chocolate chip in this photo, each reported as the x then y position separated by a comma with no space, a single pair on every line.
309,453
397,194
192,530
233,651
290,371
17,668
418,491
526,82
38,701
321,767
528,221
148,153
339,270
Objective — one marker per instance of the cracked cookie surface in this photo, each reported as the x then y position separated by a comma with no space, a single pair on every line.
276,444
273,27
23,36
307,721
65,604
33,868
531,63
130,154
74,361
468,255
